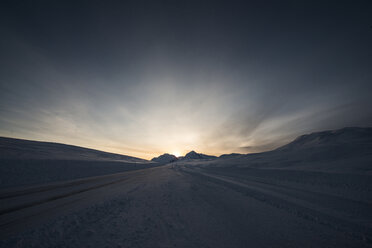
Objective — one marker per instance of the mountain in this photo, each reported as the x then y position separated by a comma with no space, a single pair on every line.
231,155
329,145
195,155
165,158
346,150
168,158
26,149
349,136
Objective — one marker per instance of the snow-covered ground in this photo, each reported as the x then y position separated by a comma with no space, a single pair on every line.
187,206
28,149
317,193
26,162
14,173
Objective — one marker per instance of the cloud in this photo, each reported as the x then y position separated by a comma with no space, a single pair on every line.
146,83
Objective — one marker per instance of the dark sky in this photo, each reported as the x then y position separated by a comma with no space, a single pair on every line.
147,77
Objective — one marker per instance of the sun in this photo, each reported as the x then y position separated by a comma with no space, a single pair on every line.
176,153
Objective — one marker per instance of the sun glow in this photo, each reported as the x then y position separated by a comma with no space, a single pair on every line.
176,153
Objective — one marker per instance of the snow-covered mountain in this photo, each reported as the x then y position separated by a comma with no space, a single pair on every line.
26,149
345,137
169,158
165,158
231,155
195,155
346,150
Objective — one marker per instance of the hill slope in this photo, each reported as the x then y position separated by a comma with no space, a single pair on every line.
26,149
345,137
346,150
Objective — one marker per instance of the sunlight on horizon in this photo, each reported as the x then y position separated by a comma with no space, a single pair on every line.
176,153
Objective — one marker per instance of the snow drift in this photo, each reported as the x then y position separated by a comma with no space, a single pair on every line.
26,149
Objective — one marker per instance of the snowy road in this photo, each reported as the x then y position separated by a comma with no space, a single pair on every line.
184,206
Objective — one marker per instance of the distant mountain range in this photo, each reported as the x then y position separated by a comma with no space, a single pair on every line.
346,150
319,146
168,158
195,155
26,149
165,158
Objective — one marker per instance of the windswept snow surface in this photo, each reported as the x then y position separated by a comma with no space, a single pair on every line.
28,149
15,173
316,194
183,205
25,162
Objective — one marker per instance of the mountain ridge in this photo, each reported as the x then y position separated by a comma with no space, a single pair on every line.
195,155
14,148
343,136
165,158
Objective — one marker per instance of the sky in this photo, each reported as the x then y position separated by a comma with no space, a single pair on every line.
143,78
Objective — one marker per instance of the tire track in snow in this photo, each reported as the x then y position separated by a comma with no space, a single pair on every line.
300,208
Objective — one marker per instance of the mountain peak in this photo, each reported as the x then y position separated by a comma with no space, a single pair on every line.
192,153
195,155
165,158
